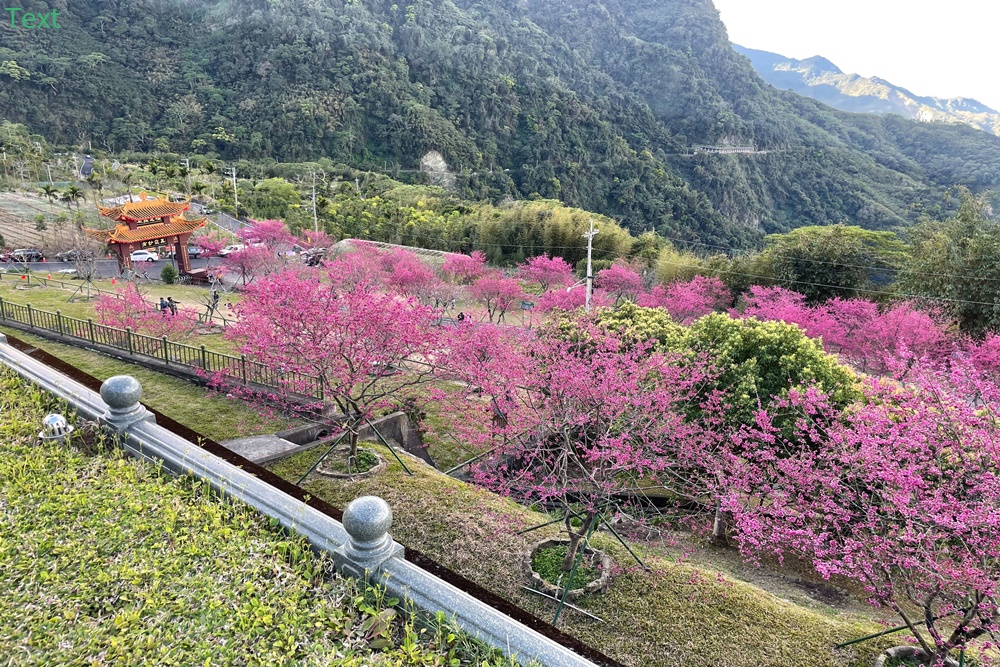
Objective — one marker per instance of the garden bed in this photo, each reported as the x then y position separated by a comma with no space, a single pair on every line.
543,565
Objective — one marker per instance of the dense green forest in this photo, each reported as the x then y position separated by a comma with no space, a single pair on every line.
595,103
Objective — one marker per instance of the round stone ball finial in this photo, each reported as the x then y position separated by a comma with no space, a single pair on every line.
121,393
367,520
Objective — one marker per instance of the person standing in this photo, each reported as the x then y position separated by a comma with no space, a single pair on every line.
172,305
164,306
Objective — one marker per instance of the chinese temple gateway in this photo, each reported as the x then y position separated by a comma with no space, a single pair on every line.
148,223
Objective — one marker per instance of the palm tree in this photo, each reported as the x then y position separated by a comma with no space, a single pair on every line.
154,169
73,194
49,193
127,179
96,184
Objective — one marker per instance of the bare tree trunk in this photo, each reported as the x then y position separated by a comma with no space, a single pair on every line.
720,526
576,539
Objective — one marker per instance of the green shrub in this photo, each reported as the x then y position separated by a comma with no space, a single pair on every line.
756,360
169,274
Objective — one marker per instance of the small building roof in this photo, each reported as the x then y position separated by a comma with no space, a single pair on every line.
144,210
150,232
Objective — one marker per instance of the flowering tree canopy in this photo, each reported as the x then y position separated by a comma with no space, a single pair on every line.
576,420
360,343
465,269
688,301
271,233
620,281
129,309
902,495
497,292
547,272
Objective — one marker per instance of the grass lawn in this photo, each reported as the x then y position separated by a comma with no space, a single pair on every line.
209,414
55,298
681,614
106,561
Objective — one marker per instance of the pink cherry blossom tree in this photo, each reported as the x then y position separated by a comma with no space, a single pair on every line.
497,292
620,281
129,308
546,272
575,421
272,234
405,274
359,343
568,300
251,263
465,269
900,494
687,301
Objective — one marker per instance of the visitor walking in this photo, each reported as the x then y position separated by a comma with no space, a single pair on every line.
164,306
172,305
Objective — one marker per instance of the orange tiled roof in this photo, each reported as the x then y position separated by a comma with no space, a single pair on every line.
122,234
144,209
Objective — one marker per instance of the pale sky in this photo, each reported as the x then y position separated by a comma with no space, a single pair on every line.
947,48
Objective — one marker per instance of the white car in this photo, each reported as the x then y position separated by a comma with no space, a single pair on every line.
229,249
144,256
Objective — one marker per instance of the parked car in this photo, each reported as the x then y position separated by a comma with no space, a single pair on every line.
26,255
194,252
144,256
229,249
73,255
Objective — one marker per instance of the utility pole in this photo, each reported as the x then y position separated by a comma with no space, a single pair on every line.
48,168
590,249
187,165
315,219
236,195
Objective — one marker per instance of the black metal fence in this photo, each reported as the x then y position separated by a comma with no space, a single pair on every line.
198,360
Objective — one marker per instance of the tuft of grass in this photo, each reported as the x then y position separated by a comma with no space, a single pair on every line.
548,563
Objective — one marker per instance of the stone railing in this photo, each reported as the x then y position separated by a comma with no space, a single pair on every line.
361,546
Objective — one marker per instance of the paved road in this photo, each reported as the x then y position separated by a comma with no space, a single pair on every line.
106,268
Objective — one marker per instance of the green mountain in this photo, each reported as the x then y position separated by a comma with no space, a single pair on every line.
821,80
598,104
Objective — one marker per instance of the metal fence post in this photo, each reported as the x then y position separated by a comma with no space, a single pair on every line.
31,317
90,328
59,321
128,339
3,309
204,359
166,351
243,368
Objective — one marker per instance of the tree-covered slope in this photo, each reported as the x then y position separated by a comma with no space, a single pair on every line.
595,103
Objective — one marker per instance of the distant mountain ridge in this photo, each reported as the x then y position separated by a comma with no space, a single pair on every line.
821,80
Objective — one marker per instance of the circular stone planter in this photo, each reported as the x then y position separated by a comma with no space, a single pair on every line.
340,454
604,564
911,653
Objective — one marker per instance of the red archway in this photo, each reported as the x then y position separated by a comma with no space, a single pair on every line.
148,223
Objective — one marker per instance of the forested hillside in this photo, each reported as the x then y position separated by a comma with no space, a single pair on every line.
595,103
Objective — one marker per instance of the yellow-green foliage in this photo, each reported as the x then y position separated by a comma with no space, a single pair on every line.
759,360
674,265
755,360
107,561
